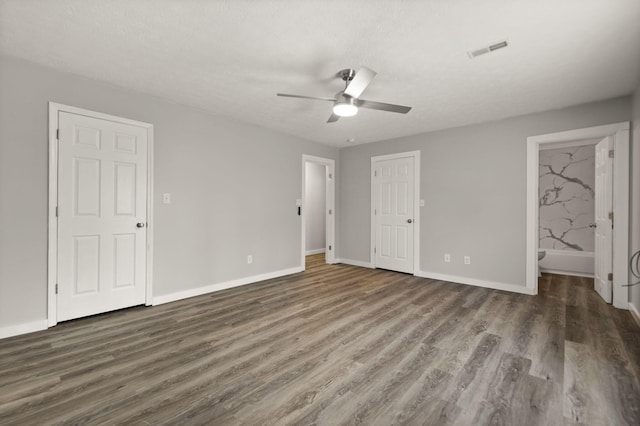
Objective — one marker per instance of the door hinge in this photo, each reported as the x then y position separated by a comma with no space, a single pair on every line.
58,134
56,211
329,247
611,219
375,212
330,211
56,288
610,153
375,173
610,276
330,176
374,249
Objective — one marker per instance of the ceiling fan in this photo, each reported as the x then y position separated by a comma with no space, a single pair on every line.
347,101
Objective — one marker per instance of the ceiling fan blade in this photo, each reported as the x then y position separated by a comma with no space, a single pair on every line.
333,118
383,107
306,97
360,82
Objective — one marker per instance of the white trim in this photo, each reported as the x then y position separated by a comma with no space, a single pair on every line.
416,206
150,223
330,204
316,251
52,241
620,208
52,244
24,328
570,144
359,263
476,282
635,313
579,134
172,297
621,234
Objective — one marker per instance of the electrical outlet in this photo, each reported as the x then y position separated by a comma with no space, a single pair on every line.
249,259
467,260
447,257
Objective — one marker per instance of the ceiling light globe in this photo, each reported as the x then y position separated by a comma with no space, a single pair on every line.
345,110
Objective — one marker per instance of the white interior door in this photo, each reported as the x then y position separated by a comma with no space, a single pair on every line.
394,213
102,213
603,208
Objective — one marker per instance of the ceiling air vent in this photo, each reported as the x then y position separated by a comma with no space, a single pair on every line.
487,49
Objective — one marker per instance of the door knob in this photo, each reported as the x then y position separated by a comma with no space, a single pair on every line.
140,224
409,221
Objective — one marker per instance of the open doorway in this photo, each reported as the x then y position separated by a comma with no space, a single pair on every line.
318,208
618,137
567,207
315,207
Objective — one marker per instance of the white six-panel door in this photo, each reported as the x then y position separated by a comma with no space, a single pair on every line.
394,214
603,232
102,199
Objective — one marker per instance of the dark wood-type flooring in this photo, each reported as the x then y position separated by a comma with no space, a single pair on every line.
335,345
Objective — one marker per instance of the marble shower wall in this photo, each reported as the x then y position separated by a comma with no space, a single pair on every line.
567,184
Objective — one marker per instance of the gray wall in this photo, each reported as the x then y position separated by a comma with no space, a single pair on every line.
634,292
473,180
233,187
315,201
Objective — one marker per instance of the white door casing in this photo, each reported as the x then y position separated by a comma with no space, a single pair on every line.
394,213
620,253
100,254
603,208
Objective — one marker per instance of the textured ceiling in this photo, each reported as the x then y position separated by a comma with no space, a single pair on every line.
232,57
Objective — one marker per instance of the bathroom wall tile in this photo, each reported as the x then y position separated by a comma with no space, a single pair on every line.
566,198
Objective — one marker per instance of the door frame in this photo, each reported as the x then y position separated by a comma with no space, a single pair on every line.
52,246
330,205
620,134
416,205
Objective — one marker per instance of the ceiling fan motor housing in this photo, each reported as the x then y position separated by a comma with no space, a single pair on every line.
347,74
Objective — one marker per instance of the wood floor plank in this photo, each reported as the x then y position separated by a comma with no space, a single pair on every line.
336,344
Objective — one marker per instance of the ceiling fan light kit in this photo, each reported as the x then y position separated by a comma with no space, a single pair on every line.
346,107
347,102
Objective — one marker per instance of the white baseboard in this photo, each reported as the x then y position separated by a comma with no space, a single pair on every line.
223,286
478,283
559,272
355,263
316,251
635,313
28,327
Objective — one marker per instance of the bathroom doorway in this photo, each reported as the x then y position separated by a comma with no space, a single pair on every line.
566,207
619,139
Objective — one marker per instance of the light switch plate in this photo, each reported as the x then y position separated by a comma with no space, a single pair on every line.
298,202
421,203
166,198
